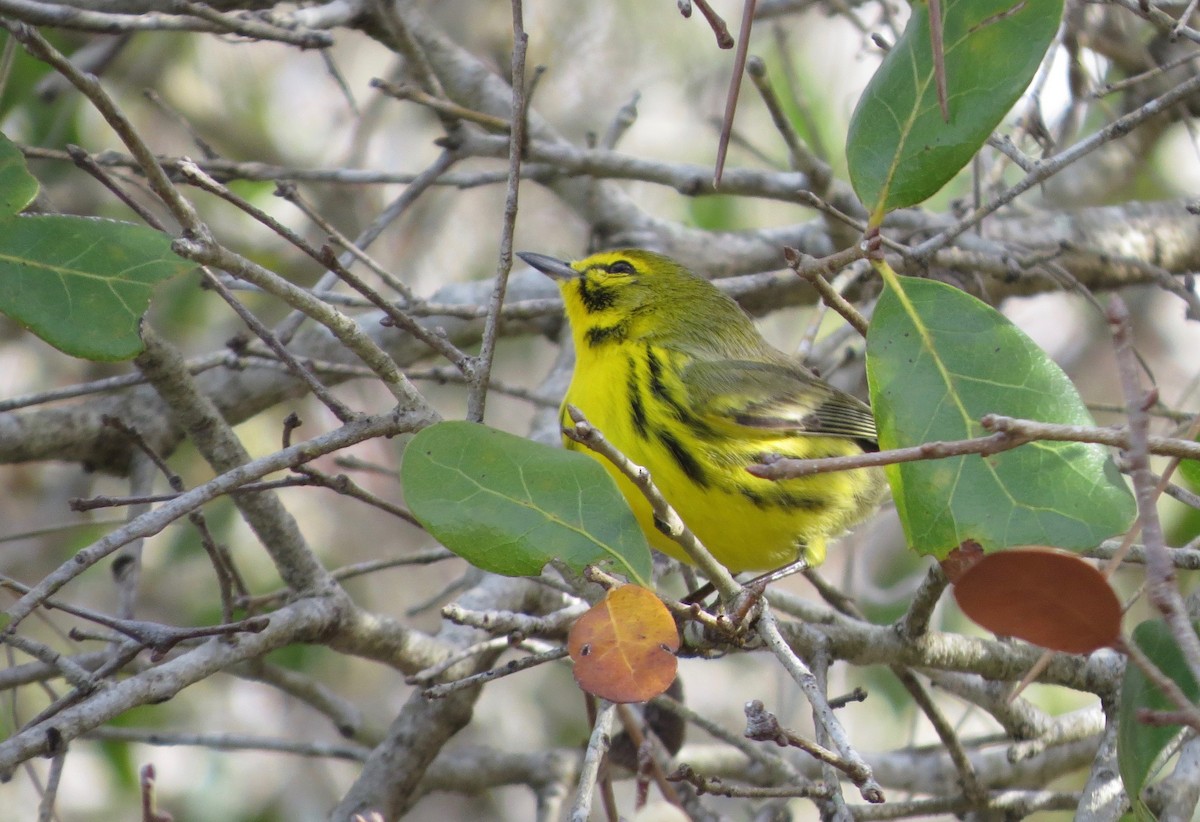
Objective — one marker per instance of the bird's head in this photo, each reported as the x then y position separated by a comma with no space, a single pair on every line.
629,293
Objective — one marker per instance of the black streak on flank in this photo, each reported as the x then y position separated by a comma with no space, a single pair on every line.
758,499
784,499
684,459
602,335
637,409
805,502
657,387
595,297
660,391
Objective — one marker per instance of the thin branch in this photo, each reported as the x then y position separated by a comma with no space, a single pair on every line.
90,87
718,787
346,330
779,768
812,271
674,527
597,747
474,680
83,389
724,40
481,366
1160,575
417,186
1048,168
1019,804
735,86
848,760
915,621
304,619
403,91
818,171
968,778
50,793
230,742
155,636
1010,433
154,521
75,674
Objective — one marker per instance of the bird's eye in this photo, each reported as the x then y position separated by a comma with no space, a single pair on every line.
620,267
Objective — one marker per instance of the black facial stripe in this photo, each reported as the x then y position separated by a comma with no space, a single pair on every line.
595,297
603,335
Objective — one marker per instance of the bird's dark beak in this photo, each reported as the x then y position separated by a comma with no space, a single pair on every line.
552,268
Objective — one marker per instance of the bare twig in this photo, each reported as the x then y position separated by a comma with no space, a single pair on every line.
481,366
847,760
915,621
154,521
231,742
718,787
724,40
735,86
596,749
673,526
1160,572
813,272
1047,168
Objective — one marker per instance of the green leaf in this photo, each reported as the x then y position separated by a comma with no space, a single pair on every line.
899,149
82,284
17,186
509,505
1139,745
937,361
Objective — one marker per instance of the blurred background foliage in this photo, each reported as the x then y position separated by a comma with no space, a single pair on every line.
268,103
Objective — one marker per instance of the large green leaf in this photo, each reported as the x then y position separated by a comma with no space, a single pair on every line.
17,186
1140,744
82,284
510,505
899,148
937,361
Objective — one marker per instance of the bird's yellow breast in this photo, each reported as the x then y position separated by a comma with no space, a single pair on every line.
631,392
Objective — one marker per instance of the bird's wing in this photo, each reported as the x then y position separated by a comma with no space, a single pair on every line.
773,397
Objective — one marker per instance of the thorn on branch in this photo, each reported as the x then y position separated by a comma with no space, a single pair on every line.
290,423
149,811
724,38
859,694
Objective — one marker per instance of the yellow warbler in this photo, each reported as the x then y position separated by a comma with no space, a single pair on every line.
677,377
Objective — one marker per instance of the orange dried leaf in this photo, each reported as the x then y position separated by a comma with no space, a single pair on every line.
624,646
1045,596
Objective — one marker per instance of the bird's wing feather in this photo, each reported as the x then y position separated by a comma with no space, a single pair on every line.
774,397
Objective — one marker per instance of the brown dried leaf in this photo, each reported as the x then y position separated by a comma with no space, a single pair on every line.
1046,596
624,646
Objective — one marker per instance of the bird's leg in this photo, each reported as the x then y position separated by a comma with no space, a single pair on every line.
758,584
779,573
